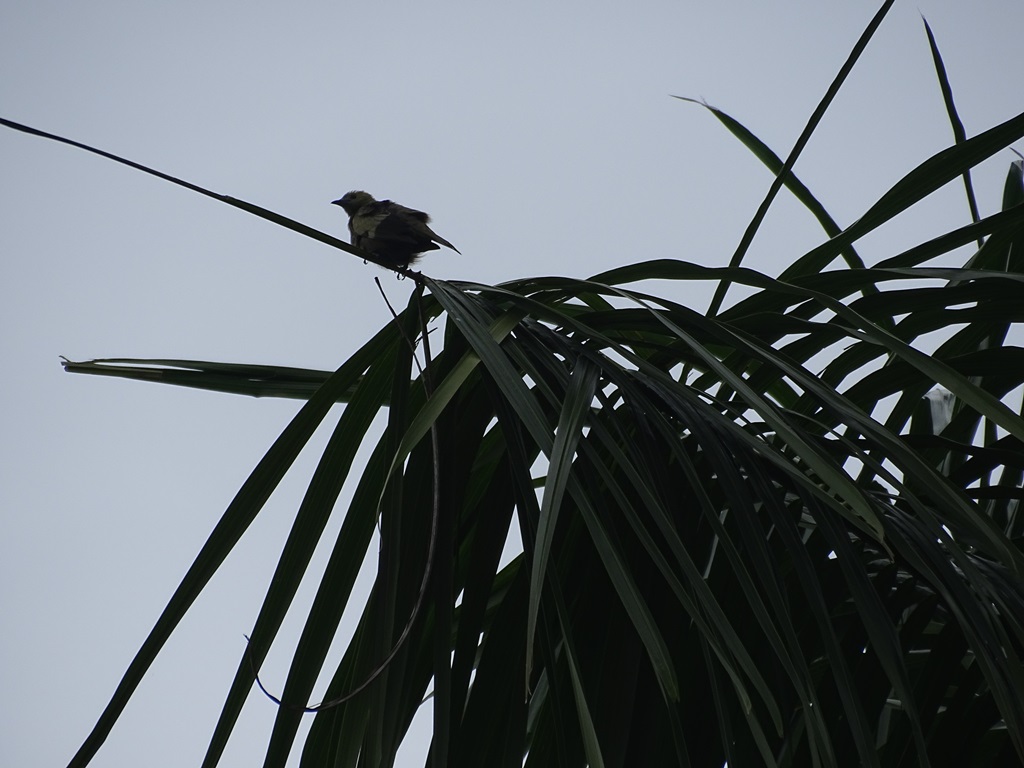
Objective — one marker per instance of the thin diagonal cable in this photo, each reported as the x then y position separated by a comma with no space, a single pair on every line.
244,205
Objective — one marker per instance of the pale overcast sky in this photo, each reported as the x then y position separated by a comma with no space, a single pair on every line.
541,136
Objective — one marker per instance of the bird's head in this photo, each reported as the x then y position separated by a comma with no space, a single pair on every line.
353,201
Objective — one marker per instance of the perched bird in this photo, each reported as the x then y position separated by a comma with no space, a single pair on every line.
393,233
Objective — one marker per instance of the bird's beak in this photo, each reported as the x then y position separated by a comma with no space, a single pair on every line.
336,202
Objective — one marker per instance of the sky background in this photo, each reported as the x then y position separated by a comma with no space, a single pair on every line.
542,138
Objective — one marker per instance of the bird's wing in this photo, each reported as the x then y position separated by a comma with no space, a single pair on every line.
418,220
387,222
412,213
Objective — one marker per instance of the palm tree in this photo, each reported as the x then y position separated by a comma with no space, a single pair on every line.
780,532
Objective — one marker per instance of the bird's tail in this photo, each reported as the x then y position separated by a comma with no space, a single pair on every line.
437,238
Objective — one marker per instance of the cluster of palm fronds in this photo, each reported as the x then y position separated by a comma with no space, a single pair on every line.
783,533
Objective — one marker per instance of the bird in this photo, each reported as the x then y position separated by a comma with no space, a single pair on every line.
394,234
